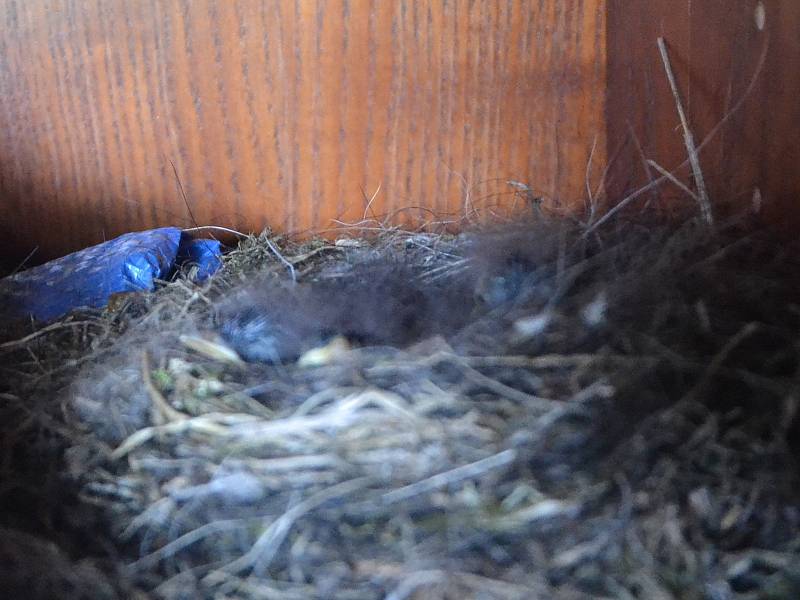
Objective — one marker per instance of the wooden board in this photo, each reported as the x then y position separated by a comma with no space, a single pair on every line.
736,63
288,113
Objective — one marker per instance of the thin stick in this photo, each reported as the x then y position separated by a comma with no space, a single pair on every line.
44,330
371,200
674,180
588,180
25,260
183,193
280,256
688,138
640,151
609,163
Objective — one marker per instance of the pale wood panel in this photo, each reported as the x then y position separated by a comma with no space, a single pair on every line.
286,113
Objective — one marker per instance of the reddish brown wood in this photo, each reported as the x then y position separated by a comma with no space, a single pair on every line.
715,48
290,114
287,114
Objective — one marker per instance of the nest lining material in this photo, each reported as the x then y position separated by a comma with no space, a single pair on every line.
516,413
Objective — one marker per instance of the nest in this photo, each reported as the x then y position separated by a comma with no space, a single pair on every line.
511,413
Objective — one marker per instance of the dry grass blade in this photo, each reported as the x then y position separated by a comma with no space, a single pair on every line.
688,137
259,557
162,411
450,477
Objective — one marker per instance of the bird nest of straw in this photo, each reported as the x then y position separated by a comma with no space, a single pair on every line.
528,412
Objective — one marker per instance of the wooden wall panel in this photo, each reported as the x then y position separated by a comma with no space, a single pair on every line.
287,112
716,47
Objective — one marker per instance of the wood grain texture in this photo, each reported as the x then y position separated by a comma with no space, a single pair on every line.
715,48
287,113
